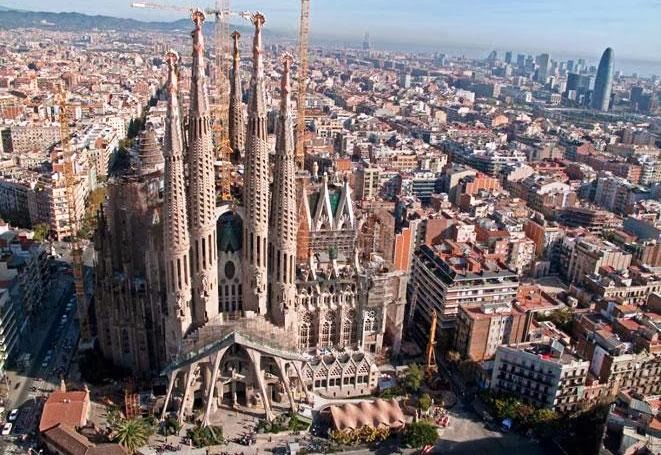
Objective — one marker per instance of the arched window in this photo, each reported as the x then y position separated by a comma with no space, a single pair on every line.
348,327
327,329
370,323
304,332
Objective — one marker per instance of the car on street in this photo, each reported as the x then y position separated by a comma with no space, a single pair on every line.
6,429
12,415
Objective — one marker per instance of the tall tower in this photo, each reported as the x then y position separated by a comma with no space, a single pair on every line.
175,225
202,192
603,84
256,186
283,223
237,130
367,44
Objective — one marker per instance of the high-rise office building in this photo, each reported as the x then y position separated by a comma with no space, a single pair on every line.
578,85
604,82
543,61
367,44
520,60
508,57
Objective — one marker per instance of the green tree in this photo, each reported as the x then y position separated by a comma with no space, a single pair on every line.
170,427
424,402
205,436
132,434
41,231
420,434
413,378
562,319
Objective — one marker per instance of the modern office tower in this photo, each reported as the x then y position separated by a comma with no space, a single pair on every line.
578,85
367,44
493,56
570,66
520,60
508,57
603,85
543,61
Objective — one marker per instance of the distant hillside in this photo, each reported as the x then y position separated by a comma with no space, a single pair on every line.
13,19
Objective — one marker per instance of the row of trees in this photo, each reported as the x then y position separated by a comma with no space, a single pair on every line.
419,434
362,435
523,415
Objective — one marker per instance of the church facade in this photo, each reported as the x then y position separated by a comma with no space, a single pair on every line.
173,270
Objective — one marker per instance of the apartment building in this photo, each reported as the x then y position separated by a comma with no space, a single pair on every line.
543,374
450,275
481,329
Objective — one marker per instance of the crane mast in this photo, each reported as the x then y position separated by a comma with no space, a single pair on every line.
430,353
70,190
303,43
221,127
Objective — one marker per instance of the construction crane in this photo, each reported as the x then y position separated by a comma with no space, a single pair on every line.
303,43
221,124
431,346
222,13
70,190
216,11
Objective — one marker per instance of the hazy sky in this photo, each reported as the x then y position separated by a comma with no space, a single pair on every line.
567,27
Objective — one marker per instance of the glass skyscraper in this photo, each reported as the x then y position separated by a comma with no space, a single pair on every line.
603,84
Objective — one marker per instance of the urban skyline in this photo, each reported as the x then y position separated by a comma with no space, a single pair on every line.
217,239
570,28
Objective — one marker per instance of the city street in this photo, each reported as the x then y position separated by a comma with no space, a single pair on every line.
50,342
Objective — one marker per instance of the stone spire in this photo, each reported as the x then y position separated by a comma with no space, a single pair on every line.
237,126
202,193
283,228
256,186
151,156
175,225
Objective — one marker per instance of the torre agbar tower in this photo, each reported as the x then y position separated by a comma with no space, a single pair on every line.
256,187
175,226
282,242
202,194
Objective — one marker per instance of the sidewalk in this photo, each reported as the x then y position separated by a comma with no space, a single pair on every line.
32,342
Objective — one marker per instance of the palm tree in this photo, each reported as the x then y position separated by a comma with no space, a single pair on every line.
132,434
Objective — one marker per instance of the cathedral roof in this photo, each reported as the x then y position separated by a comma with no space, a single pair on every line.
331,207
230,237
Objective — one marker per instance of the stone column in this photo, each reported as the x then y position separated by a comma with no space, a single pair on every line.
172,377
212,385
256,358
297,367
188,384
285,382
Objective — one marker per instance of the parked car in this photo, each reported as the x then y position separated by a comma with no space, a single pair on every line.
6,429
12,415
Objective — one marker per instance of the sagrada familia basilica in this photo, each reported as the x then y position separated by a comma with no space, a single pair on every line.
264,302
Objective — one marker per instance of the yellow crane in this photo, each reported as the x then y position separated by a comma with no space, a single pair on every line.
221,124
431,345
70,185
303,44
